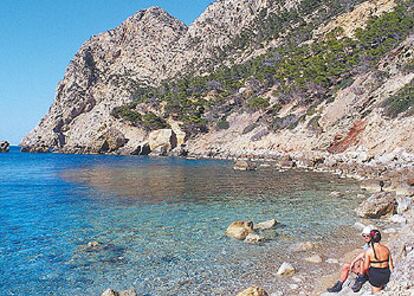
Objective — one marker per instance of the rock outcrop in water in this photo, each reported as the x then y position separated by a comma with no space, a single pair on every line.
4,146
239,229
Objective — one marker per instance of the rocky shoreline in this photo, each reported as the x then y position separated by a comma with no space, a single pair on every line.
389,178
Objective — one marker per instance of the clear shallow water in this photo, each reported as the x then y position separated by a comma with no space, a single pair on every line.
160,222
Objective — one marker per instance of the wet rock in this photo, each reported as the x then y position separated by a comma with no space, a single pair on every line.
314,259
265,225
378,205
239,229
110,292
91,246
286,269
243,165
254,238
130,292
253,291
162,141
4,146
403,204
303,247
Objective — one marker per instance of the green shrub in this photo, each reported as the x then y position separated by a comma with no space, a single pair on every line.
402,101
124,112
223,124
150,121
258,103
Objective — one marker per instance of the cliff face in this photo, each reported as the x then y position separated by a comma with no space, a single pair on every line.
108,69
342,113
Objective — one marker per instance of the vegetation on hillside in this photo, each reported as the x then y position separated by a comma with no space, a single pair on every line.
401,102
306,74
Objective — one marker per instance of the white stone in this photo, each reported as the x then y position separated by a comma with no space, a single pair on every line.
314,259
398,219
332,261
254,238
403,204
265,225
286,269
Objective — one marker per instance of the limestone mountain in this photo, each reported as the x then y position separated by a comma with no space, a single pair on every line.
260,77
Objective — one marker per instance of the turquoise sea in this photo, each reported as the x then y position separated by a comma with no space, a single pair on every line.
160,222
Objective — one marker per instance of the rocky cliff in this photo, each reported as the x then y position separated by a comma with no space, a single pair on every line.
247,78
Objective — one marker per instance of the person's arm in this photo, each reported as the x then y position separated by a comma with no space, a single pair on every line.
391,262
359,257
366,262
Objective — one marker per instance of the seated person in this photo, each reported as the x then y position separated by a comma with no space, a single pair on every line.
355,266
378,263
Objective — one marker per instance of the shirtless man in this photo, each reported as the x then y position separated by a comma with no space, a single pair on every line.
356,266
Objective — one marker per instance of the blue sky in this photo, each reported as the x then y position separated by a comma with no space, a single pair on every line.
38,38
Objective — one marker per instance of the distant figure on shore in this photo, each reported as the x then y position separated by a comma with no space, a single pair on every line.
378,263
356,266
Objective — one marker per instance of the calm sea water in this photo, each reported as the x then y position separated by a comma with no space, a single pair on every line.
160,223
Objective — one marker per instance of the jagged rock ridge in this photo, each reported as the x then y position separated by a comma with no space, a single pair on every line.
147,48
151,47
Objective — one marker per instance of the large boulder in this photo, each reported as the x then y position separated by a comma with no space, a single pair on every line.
162,141
111,141
253,291
239,229
378,205
4,146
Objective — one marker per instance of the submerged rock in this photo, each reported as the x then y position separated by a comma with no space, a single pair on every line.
91,246
4,146
254,238
378,205
239,229
265,225
286,269
303,247
110,292
253,291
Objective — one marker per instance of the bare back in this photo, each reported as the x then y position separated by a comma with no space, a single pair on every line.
382,258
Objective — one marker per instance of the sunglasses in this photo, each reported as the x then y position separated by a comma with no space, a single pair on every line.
365,235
